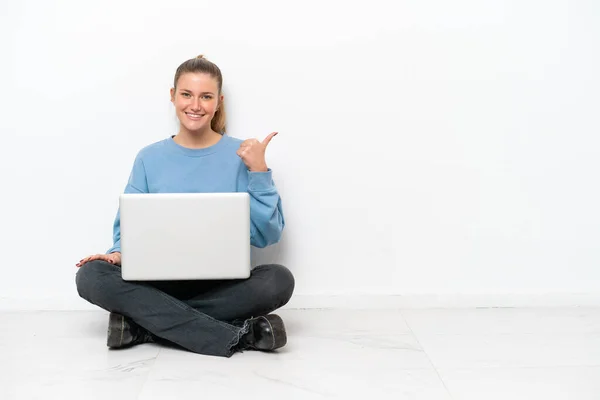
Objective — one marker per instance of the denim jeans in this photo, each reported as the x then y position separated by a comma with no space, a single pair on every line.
202,316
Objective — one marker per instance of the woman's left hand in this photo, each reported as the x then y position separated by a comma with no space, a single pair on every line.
252,153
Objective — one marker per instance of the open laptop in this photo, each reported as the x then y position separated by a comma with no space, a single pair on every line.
185,236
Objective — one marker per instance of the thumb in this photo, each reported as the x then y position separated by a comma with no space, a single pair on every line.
268,138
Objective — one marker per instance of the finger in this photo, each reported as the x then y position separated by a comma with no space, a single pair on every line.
268,138
249,142
96,257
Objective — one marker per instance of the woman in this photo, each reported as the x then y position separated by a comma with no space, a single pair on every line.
206,317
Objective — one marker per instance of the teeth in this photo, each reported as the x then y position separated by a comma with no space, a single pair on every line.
194,115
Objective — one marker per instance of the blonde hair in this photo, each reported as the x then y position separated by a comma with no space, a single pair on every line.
201,65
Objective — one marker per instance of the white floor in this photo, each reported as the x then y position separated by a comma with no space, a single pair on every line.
403,354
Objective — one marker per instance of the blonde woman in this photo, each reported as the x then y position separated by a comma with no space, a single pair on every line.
207,317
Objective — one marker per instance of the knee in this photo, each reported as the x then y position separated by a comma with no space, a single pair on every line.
283,282
283,276
90,277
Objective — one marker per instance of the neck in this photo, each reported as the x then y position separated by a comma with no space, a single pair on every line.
196,140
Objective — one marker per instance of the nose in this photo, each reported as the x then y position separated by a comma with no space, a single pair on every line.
196,104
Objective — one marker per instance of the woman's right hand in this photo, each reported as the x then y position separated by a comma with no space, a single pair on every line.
113,258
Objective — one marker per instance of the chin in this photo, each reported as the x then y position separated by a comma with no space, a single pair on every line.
194,128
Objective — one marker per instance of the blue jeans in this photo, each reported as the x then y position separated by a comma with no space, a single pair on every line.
202,316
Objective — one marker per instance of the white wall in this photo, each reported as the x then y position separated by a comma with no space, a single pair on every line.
426,148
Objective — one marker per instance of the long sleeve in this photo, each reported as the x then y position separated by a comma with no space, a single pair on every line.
137,183
266,213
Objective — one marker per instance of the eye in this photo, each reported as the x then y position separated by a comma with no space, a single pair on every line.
208,96
185,94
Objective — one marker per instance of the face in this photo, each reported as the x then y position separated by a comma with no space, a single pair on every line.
196,101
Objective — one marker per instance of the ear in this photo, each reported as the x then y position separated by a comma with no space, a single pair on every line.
172,95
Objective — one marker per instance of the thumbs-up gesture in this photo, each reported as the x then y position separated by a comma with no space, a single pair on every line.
252,153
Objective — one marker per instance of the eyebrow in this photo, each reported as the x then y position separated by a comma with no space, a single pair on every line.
189,91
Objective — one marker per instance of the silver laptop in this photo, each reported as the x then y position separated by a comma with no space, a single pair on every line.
185,236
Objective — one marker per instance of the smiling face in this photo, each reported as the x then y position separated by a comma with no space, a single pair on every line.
196,99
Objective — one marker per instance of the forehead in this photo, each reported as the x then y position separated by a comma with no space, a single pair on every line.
197,82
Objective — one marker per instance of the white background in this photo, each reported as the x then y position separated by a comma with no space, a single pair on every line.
426,147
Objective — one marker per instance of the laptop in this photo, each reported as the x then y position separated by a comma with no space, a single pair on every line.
185,236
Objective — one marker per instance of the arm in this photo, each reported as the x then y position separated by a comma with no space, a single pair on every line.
137,183
266,213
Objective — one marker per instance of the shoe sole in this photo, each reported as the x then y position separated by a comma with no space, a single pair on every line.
278,329
116,327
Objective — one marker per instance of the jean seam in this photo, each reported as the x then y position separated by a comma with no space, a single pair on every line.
232,346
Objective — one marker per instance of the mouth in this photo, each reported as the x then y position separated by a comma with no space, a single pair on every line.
194,117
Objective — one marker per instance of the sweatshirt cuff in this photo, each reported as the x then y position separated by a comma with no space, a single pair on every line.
260,181
114,249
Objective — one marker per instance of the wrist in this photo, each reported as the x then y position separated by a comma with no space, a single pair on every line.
262,168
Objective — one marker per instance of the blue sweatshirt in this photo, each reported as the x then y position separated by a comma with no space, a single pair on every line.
167,167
